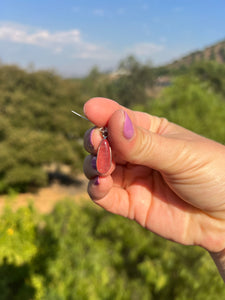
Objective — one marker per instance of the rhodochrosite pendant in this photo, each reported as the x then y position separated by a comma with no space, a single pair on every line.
104,153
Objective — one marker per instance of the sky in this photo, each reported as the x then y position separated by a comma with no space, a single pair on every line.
73,36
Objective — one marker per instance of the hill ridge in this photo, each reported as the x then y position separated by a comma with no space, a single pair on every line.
214,52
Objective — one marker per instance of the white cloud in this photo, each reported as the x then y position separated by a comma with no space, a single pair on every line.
42,38
59,42
92,51
67,51
145,49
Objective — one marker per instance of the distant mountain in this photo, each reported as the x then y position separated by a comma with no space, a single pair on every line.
214,52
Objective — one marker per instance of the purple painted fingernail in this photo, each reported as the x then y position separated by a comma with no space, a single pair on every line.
93,162
96,181
88,141
128,129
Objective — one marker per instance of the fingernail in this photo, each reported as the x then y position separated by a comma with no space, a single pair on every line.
128,129
88,142
96,181
93,162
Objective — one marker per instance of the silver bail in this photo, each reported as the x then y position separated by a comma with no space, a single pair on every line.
104,132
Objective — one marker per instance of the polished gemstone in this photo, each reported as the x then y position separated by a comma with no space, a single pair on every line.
104,157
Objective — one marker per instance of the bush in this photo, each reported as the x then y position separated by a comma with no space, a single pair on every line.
192,104
17,249
85,253
37,127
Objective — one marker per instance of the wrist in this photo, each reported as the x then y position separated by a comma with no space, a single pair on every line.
219,260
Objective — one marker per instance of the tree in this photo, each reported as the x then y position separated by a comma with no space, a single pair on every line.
130,85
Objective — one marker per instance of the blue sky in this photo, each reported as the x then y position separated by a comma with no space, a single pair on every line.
72,36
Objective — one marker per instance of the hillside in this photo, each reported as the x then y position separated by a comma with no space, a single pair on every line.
215,52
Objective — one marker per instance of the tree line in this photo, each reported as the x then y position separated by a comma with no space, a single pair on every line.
38,131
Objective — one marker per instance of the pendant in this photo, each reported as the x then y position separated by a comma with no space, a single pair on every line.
104,152
104,157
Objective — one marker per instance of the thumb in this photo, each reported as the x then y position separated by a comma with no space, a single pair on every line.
138,145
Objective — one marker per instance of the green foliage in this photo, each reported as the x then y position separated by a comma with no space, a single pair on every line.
130,82
194,105
17,232
37,127
212,73
222,53
17,249
83,253
212,54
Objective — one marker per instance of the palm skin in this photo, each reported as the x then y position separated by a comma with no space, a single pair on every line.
170,180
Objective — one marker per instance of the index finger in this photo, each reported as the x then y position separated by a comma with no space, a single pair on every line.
99,110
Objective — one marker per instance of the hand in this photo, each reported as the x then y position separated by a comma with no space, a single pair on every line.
168,179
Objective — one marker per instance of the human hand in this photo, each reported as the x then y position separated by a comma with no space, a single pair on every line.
167,178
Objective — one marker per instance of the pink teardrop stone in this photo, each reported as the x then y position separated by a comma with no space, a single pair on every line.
104,157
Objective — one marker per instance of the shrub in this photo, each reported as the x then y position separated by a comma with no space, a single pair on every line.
80,252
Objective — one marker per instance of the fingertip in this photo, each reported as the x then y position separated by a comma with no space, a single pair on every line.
99,110
88,104
93,102
89,167
88,144
92,139
99,187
